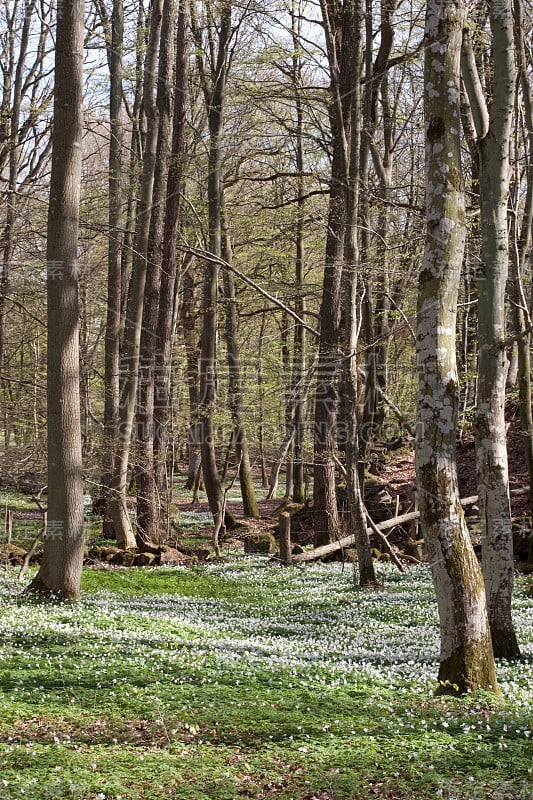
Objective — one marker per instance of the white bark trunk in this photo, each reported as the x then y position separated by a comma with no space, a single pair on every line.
466,659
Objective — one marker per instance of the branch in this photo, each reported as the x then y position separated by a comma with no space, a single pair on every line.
207,256
474,90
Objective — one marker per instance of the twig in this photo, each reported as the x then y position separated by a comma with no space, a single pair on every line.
219,523
384,541
27,558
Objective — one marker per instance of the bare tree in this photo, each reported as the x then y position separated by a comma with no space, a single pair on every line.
493,124
132,330
466,657
60,570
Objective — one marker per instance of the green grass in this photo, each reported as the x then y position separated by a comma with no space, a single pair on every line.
244,680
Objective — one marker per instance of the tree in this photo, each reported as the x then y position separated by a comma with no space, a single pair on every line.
335,20
169,274
114,29
466,657
493,124
60,570
132,326
148,500
214,90
350,279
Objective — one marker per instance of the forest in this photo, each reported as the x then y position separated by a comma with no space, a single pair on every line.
266,439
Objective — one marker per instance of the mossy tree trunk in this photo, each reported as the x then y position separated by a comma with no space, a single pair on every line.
466,657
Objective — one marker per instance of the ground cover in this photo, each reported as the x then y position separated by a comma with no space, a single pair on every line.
246,680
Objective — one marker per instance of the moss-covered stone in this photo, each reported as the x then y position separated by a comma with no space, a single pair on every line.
11,554
125,558
260,542
103,553
145,560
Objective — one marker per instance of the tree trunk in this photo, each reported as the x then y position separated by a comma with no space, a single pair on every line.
261,391
169,274
466,657
13,124
148,501
494,137
298,370
114,268
132,330
192,357
236,389
326,516
356,514
60,570
522,245
214,97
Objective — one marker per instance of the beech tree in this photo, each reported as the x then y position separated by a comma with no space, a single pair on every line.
336,20
466,656
60,570
132,327
493,125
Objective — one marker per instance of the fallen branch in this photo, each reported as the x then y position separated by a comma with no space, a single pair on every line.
388,524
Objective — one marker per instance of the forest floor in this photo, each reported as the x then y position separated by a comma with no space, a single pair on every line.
243,680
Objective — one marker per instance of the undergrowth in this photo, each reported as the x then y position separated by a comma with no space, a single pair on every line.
247,680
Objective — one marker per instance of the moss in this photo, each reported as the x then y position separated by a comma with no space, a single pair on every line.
261,542
470,667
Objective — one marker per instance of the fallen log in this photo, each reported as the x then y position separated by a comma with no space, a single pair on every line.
386,525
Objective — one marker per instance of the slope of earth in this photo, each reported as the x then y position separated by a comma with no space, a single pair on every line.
398,471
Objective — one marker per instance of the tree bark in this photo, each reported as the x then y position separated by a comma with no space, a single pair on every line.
169,273
236,388
114,265
214,93
350,274
466,657
494,137
60,570
149,504
326,516
521,246
132,329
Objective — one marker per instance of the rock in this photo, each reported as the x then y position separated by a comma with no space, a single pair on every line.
124,558
198,553
260,542
105,554
145,560
11,554
172,557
